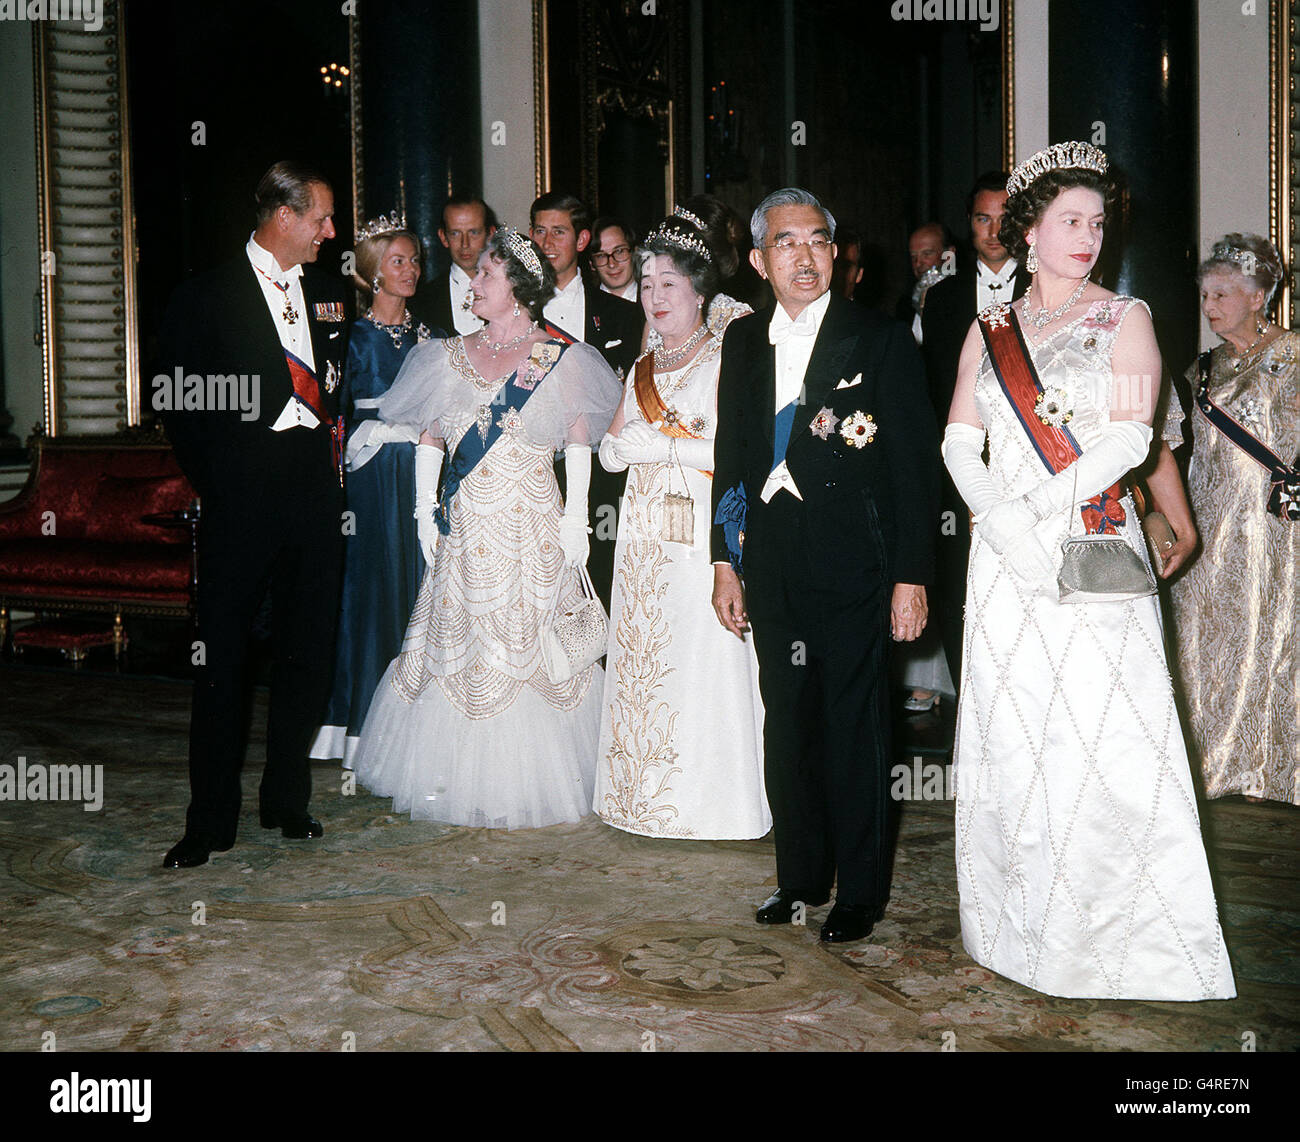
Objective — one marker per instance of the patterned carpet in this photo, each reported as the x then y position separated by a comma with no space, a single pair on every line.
417,936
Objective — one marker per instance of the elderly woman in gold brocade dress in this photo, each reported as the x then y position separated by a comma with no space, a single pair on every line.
1234,610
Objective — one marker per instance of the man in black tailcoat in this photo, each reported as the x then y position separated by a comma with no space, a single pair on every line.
825,477
950,309
268,478
560,224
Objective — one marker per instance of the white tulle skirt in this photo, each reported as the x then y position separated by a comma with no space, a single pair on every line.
527,766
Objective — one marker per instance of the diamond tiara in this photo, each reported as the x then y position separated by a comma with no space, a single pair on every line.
1059,156
522,249
382,225
693,219
671,236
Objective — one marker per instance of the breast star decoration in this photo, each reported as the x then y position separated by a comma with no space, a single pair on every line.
1053,407
823,424
995,315
859,429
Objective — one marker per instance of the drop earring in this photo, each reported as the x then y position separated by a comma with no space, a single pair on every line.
516,309
374,285
1031,261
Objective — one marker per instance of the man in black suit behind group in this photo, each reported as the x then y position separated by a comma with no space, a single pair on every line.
950,309
268,480
560,225
467,224
825,431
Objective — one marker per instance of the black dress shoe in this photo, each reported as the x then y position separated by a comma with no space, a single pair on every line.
293,826
848,922
189,852
779,907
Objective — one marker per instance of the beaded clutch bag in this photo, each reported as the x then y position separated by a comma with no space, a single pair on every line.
575,636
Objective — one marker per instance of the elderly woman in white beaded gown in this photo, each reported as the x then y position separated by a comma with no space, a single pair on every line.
1080,863
466,725
681,743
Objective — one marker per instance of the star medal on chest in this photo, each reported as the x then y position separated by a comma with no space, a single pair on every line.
859,429
823,424
332,375
1053,407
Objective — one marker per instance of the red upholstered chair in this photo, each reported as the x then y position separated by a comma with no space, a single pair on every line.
76,539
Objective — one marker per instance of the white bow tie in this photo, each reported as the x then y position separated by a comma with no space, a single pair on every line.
782,327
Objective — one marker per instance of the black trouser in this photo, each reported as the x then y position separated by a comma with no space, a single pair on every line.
286,535
821,637
952,557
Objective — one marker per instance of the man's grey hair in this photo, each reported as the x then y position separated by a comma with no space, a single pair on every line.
789,196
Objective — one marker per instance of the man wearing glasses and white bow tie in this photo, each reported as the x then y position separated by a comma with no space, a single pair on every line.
825,485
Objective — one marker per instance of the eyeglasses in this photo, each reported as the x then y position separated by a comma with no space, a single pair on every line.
786,247
617,254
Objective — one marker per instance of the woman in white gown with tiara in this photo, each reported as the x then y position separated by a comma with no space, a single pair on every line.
466,725
1080,863
681,742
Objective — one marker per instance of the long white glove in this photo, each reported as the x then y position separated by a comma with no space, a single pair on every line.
694,453
370,436
638,443
609,459
428,466
1002,523
573,523
1123,445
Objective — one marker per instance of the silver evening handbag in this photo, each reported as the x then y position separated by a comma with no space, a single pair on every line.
1101,569
572,639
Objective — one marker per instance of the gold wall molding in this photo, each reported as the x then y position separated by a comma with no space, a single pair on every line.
1283,193
90,339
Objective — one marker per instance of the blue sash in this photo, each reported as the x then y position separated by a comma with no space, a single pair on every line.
514,393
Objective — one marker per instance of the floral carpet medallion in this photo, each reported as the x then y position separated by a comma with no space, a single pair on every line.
393,935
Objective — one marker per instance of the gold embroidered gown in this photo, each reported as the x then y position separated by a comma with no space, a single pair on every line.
1234,609
466,727
681,740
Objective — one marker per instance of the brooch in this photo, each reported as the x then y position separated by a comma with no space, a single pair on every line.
697,425
859,429
995,315
511,421
1052,408
540,361
823,424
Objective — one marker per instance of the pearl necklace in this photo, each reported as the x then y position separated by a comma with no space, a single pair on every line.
668,359
485,342
1042,318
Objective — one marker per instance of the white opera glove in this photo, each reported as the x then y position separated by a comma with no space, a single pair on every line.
428,466
573,523
1123,445
638,443
693,453
962,451
609,458
370,436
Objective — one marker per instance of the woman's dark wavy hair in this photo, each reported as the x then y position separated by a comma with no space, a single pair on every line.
1025,209
702,272
527,290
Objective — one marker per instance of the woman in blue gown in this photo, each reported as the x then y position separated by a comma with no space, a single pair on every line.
383,564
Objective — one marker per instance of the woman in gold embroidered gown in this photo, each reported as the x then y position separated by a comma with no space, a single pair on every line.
466,726
681,741
1235,608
